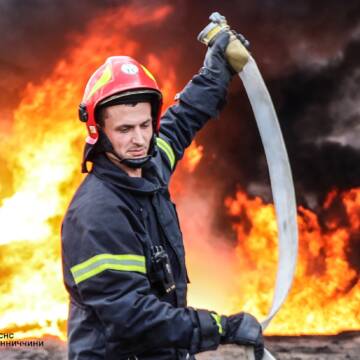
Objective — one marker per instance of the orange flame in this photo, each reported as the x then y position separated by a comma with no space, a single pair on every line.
42,171
193,155
326,291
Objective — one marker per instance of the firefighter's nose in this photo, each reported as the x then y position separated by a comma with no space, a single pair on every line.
138,137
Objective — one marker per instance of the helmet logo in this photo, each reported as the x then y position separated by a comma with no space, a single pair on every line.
129,69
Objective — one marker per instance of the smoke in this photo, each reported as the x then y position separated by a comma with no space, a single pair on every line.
308,53
34,35
311,67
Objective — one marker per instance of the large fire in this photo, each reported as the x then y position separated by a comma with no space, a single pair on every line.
41,172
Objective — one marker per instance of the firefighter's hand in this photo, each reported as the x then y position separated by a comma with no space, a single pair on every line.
215,59
227,54
243,329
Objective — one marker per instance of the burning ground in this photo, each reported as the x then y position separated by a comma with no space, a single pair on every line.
309,55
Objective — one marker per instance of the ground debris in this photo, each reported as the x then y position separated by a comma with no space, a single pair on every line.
345,346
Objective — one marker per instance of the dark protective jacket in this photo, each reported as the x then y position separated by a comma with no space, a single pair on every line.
117,310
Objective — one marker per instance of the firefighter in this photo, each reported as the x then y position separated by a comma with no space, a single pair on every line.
122,248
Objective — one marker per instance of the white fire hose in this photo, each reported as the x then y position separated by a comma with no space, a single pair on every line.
278,163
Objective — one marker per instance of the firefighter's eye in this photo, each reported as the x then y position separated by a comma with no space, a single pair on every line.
145,125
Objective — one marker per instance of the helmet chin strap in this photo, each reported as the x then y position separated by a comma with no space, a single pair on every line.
104,145
137,163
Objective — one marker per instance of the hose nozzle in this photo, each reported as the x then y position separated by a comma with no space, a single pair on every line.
236,52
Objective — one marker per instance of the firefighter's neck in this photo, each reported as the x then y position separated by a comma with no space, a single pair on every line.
130,171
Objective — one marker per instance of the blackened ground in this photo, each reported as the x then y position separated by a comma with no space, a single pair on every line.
344,346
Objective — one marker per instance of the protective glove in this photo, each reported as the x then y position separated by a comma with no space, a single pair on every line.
207,91
206,335
213,329
215,60
243,329
227,51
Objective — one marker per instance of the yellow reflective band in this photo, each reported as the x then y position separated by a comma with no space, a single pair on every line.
217,318
163,145
102,81
102,262
148,73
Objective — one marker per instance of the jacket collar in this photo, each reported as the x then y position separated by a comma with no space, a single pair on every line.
107,171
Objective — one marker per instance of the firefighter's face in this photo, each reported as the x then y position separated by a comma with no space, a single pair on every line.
129,128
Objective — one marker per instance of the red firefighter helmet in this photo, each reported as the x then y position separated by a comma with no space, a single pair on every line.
119,77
